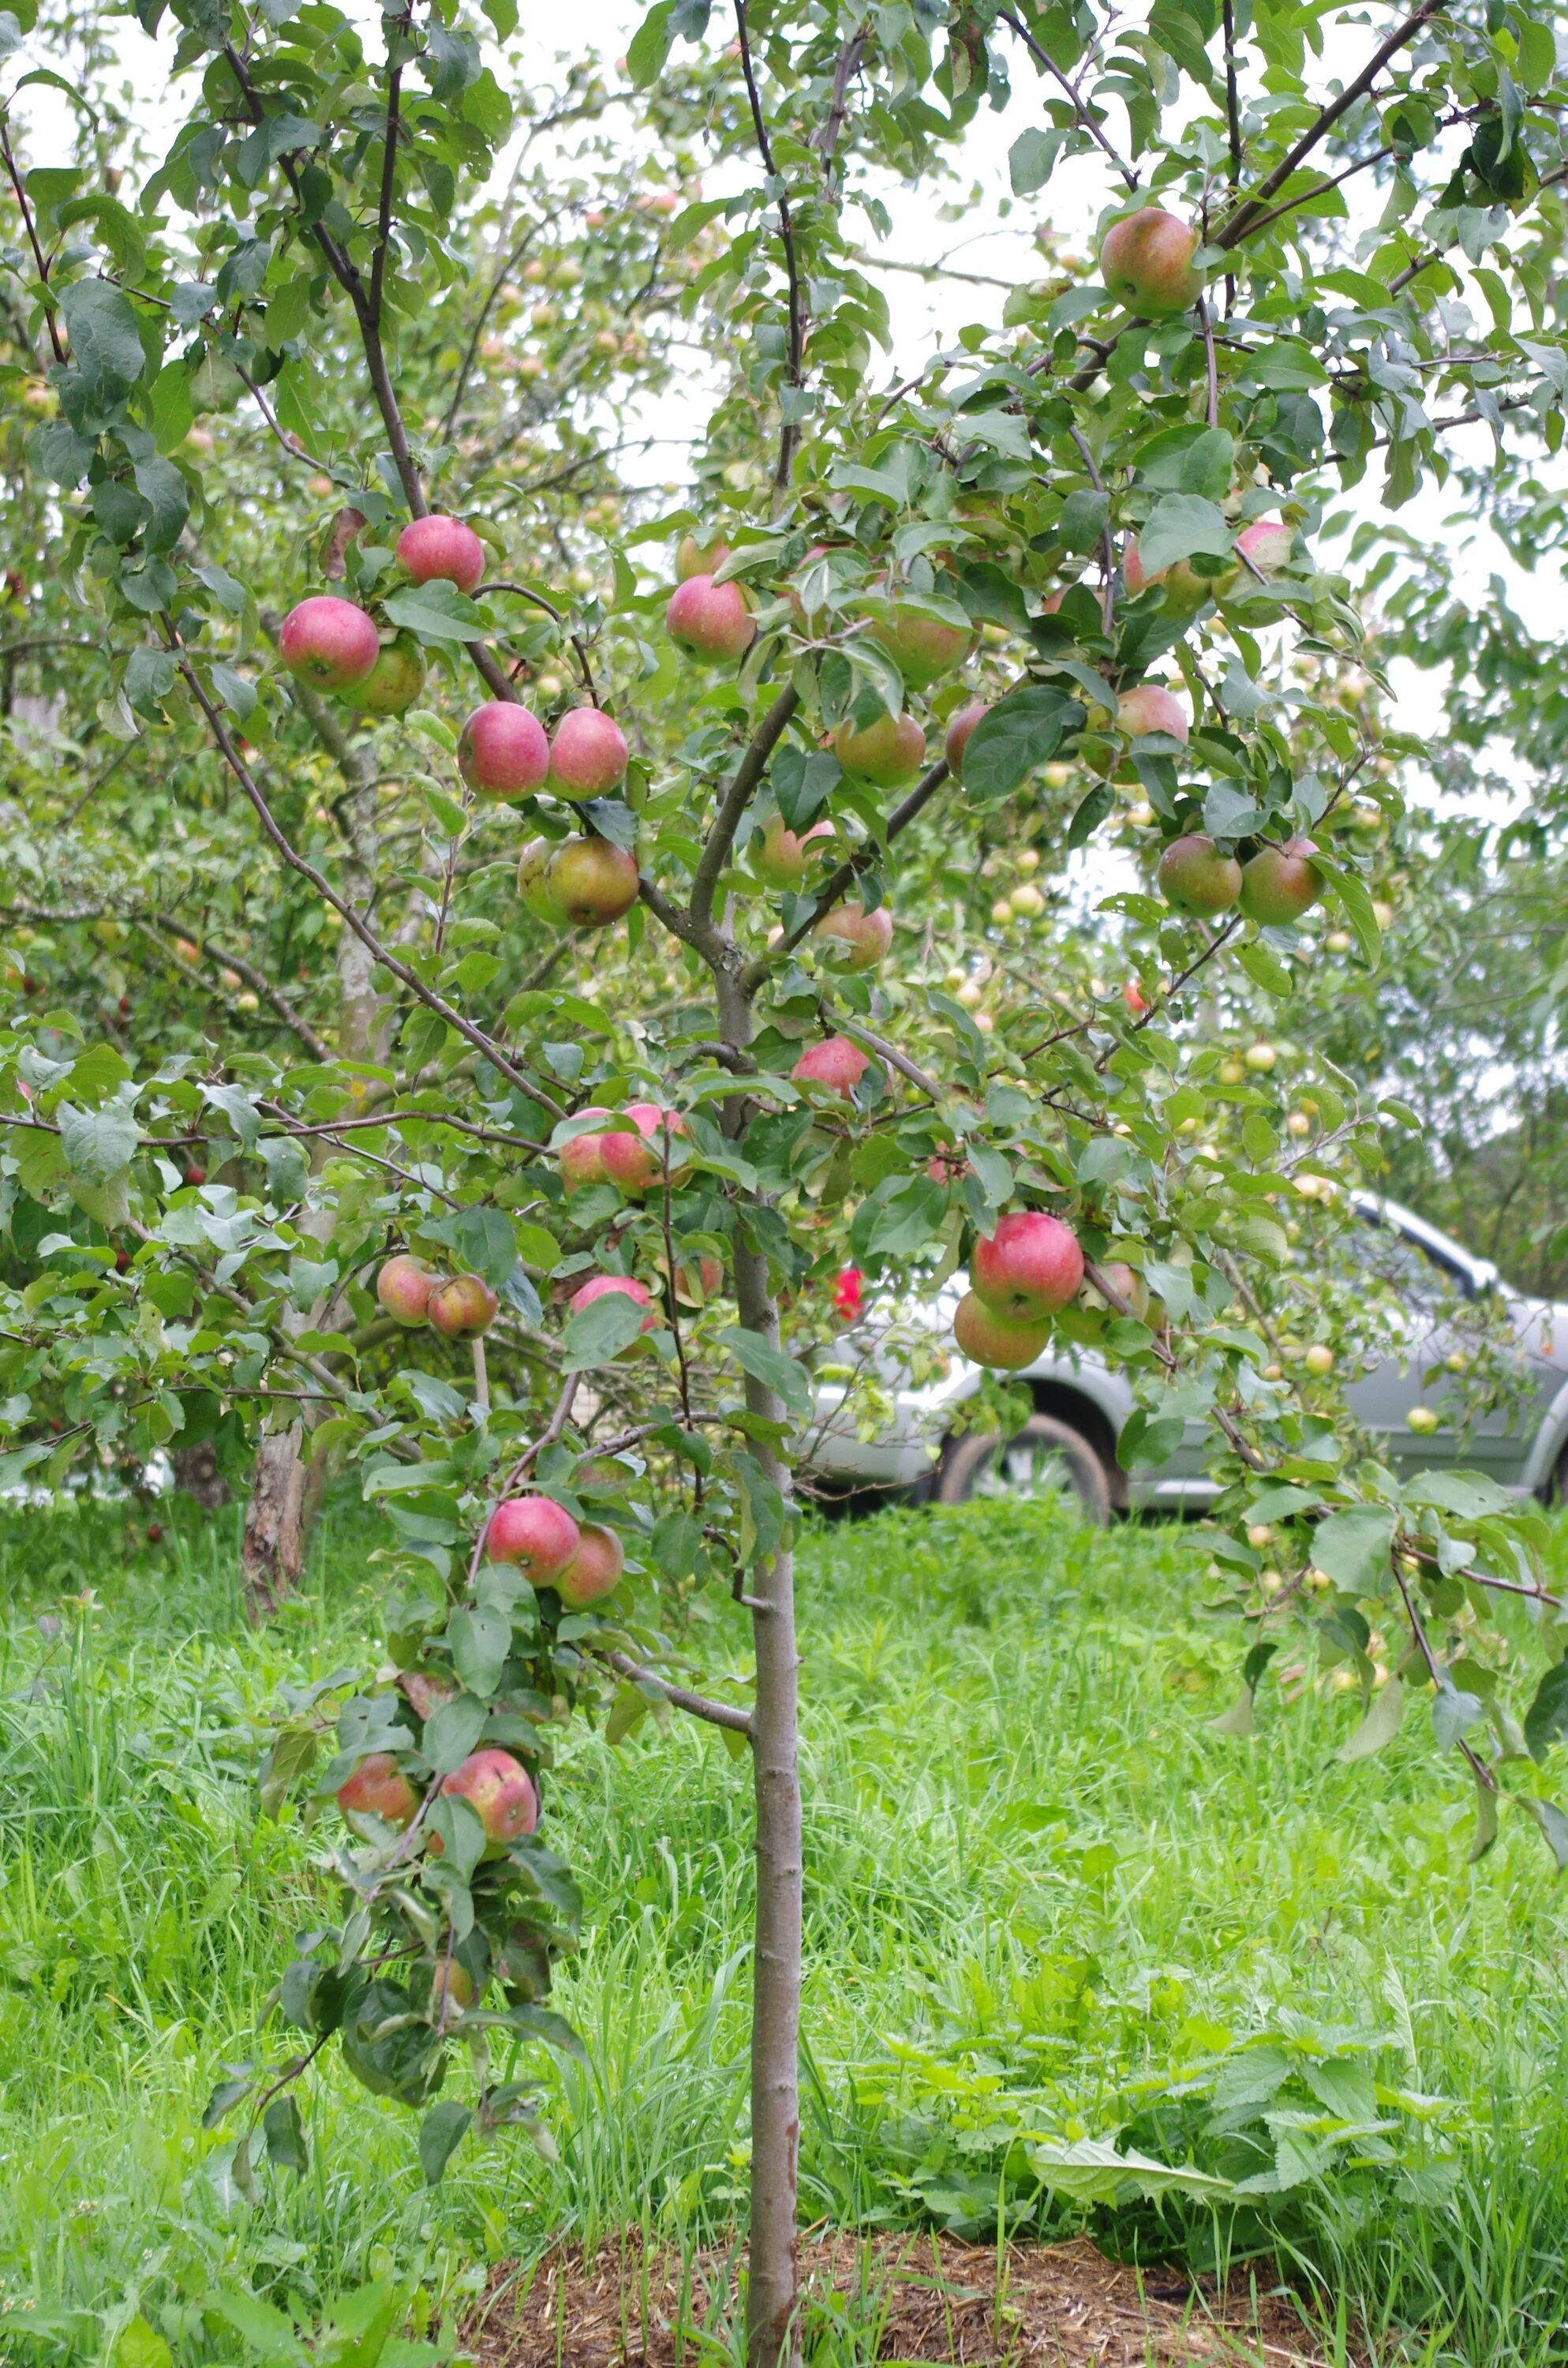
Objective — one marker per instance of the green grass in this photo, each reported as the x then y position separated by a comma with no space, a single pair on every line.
1044,1901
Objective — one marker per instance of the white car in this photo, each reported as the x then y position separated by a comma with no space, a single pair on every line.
1080,1404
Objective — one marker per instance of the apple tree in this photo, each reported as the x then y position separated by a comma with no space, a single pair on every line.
683,987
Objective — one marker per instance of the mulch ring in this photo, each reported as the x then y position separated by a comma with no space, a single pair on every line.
903,2298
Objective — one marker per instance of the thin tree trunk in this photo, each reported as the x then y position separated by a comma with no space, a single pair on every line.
272,1550
773,2263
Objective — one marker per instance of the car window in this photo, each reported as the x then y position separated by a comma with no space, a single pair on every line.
1416,1273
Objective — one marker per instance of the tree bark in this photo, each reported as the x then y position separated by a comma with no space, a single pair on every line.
772,2263
196,1471
272,1551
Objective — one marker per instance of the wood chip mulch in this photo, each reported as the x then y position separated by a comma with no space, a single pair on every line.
906,2298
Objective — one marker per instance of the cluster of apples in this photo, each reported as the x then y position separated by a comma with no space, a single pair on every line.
334,645
625,1157
580,1560
1273,887
460,1306
1019,1277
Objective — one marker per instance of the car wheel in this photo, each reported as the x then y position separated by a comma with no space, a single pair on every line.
1046,1458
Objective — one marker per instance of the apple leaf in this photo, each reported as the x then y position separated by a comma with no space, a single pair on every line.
1022,731
1182,526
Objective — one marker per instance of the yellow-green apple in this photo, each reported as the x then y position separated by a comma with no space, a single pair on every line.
587,754
1146,263
889,752
533,881
710,620
403,1287
439,549
378,1788
502,750
1128,1284
393,683
535,1533
593,881
693,558
1280,883
924,647
1029,1268
1184,589
451,1985
988,1338
1149,709
593,1570
1196,878
958,733
835,1061
780,858
462,1308
328,642
857,937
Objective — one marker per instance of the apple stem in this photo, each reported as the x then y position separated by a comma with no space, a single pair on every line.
481,1378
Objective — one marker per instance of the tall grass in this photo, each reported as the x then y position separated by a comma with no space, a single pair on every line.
1040,1890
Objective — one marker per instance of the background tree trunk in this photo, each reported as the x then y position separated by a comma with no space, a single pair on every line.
272,1551
196,1471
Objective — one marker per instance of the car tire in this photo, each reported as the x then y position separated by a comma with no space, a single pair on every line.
980,1464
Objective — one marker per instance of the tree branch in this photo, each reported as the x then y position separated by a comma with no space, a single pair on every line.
1079,108
716,1713
788,433
742,784
840,882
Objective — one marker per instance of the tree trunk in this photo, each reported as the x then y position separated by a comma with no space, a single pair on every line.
773,2338
196,1471
272,1551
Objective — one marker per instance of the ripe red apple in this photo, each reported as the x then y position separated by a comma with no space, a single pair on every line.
958,734
618,1286
632,1161
393,683
593,1570
863,937
328,642
500,1790
502,752
988,1338
1146,263
1184,589
1266,544
693,558
780,860
1133,996
1280,884
533,881
403,1287
593,881
1196,878
834,1062
378,1788
710,620
1151,709
922,646
462,1308
889,752
587,756
439,549
582,1160
1029,1268
535,1533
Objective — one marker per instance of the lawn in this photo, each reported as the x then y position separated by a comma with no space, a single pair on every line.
1046,1902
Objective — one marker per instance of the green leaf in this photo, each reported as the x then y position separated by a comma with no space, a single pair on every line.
164,491
435,612
1182,526
1090,2170
1357,904
480,1639
440,2134
1030,160
105,344
1353,1548
265,2328
98,1143
483,1239
1379,1727
771,1366
1553,1826
1022,731
451,1732
285,2135
1546,1721
600,1331
1083,519
648,52
140,2346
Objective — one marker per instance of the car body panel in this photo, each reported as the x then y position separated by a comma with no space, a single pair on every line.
1522,1454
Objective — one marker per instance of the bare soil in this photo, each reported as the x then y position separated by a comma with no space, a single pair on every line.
906,2298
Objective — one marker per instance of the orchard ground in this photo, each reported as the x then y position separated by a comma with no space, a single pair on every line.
1044,1899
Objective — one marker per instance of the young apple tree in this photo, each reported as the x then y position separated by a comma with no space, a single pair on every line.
677,1004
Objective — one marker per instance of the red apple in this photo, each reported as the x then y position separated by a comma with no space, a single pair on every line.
403,1287
780,860
1146,263
533,881
632,1161
593,1570
922,646
500,1790
439,549
393,683
834,1062
1196,878
710,620
618,1286
1266,544
462,1308
859,938
693,558
1029,1268
958,734
502,752
593,881
582,1159
1133,996
988,1338
378,1788
889,752
1149,709
535,1533
328,642
587,756
1280,884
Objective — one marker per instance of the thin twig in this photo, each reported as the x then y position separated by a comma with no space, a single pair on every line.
716,1713
789,432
